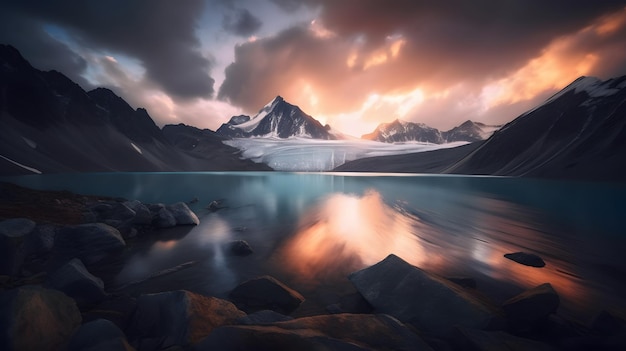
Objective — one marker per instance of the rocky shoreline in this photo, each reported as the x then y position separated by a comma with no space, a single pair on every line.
55,247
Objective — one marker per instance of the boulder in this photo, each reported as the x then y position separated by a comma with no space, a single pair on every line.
112,210
265,292
479,340
118,310
263,317
99,334
240,248
526,259
531,306
75,281
33,318
91,243
178,318
323,332
12,234
429,302
164,219
142,213
40,241
16,227
182,214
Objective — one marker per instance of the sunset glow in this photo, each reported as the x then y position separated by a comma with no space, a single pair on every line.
351,66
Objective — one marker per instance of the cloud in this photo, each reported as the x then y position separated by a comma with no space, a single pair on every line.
160,34
42,50
241,23
357,48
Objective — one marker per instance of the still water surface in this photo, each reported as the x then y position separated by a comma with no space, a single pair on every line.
311,230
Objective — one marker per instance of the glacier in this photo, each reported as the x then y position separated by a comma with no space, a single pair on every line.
298,154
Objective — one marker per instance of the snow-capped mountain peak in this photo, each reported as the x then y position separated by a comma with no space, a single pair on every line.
402,131
277,118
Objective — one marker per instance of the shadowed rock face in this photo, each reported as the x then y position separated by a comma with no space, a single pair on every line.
414,296
265,293
325,332
32,318
178,318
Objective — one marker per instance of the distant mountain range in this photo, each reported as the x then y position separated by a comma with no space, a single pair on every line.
579,133
276,119
49,124
402,131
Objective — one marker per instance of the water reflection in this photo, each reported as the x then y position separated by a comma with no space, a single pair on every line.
345,232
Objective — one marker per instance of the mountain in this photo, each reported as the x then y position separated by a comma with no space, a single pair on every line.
402,131
276,119
579,133
49,124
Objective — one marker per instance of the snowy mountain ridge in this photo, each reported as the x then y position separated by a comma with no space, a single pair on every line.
403,131
277,118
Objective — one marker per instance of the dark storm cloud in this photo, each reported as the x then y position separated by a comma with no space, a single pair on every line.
241,22
40,49
159,33
442,43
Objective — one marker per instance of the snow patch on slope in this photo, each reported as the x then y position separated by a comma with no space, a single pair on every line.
136,148
34,170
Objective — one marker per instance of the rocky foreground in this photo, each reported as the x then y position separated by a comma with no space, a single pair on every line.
53,296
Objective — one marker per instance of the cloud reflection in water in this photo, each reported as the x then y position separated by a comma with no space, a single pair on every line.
343,233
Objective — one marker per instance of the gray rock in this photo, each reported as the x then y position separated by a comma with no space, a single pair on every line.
240,248
32,318
41,240
75,280
178,318
143,216
429,302
479,340
526,259
112,210
16,227
262,318
91,243
12,235
164,219
265,292
531,306
182,214
324,332
99,334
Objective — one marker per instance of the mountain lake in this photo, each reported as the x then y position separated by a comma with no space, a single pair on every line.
310,230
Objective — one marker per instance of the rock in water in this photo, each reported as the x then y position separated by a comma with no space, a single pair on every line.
75,280
344,332
91,243
32,318
531,306
182,214
240,248
414,296
178,318
165,219
100,334
526,259
266,292
142,213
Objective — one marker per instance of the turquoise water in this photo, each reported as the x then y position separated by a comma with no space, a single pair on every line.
311,230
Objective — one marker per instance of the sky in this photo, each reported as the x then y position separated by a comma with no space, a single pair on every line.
350,63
